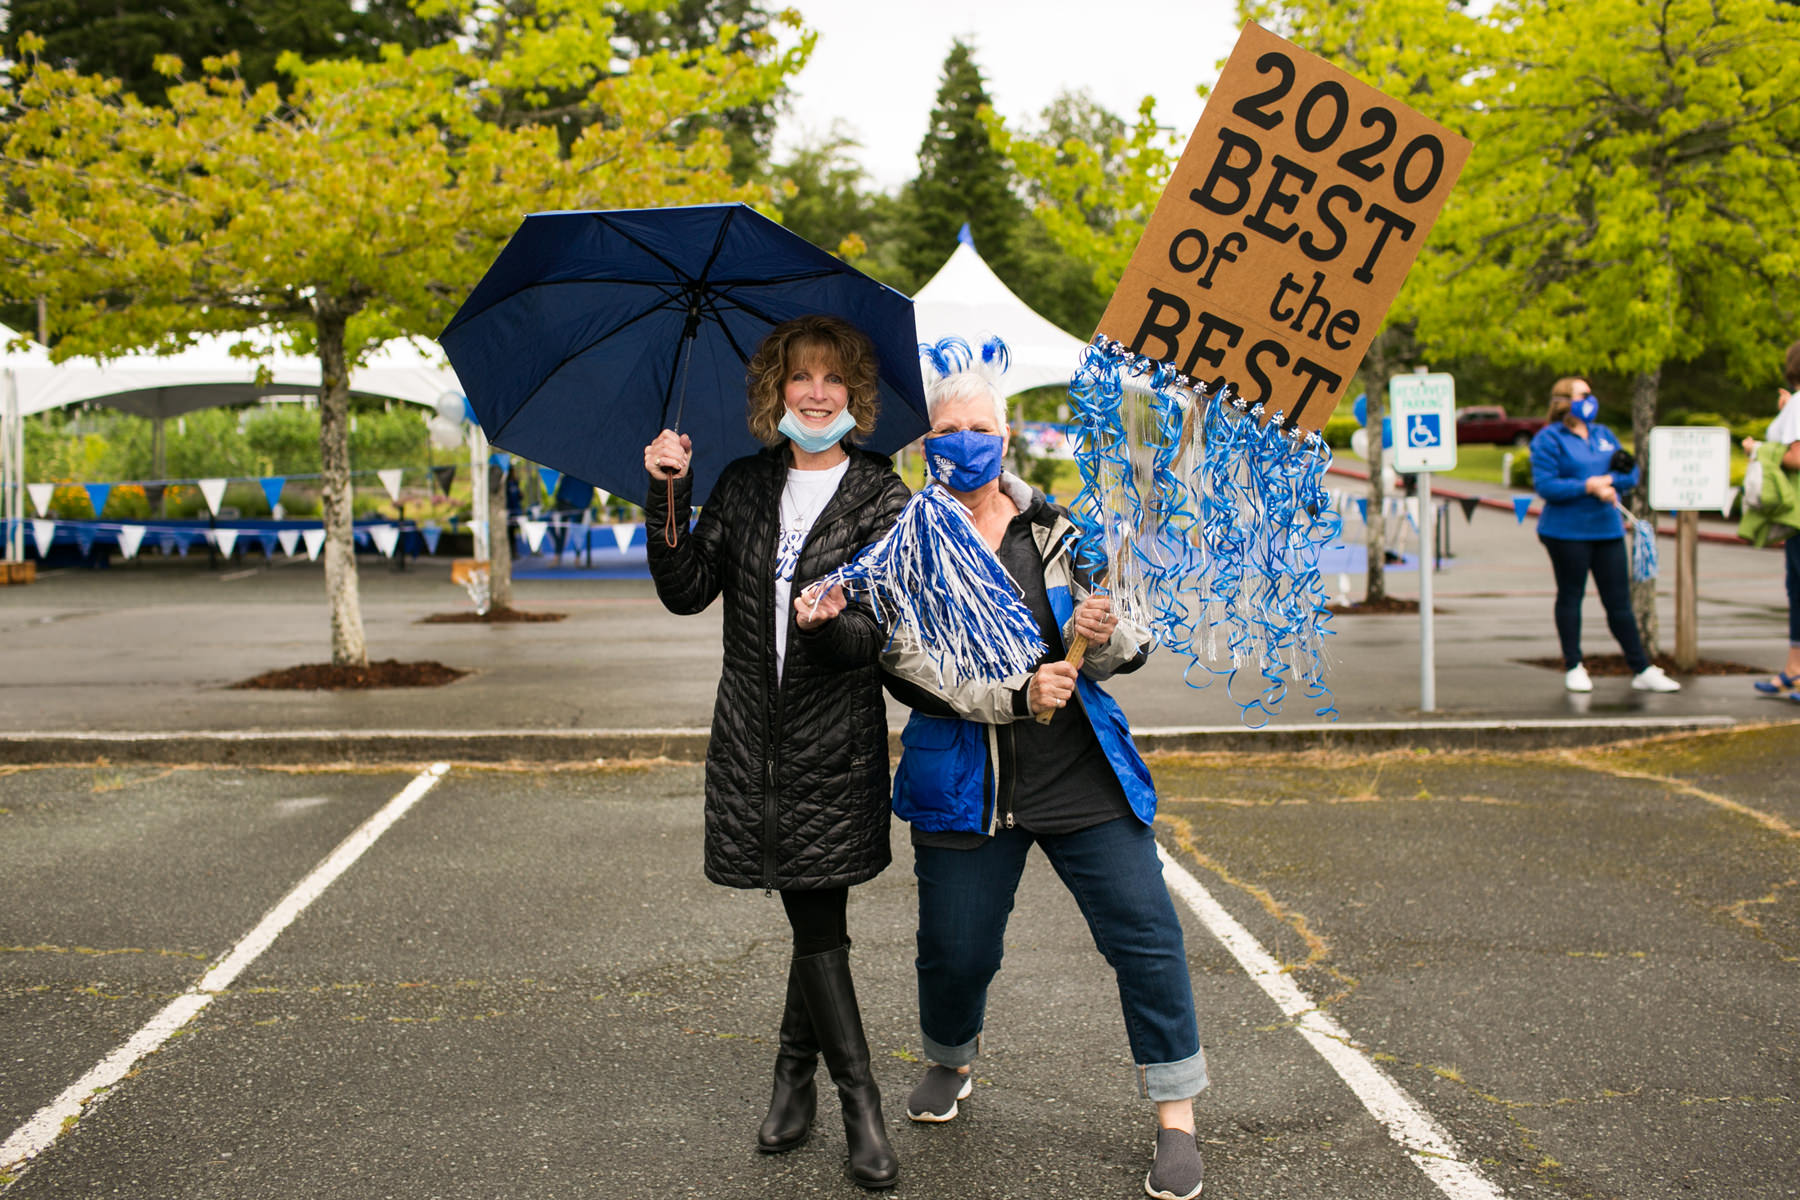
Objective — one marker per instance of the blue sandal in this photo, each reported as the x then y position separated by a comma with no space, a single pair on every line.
1786,684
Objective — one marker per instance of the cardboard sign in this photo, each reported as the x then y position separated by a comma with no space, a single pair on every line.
1296,210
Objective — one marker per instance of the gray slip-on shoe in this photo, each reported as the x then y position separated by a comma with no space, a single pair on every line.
1175,1175
934,1100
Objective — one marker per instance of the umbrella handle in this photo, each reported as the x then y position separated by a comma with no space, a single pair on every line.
1077,654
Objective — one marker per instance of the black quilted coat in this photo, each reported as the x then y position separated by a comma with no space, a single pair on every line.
796,774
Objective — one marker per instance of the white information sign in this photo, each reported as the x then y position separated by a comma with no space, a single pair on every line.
1424,416
1690,467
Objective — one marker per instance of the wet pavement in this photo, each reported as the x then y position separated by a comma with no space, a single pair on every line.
1579,964
154,645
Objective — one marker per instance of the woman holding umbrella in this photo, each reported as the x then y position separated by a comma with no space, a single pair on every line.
796,769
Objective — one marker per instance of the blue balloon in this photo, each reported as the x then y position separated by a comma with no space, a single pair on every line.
1387,433
1360,406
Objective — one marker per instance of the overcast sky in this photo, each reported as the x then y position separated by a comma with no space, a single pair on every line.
876,65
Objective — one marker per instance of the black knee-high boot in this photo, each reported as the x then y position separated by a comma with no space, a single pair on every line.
794,1098
837,1023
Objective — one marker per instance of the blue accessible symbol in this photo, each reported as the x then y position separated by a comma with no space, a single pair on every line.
1422,429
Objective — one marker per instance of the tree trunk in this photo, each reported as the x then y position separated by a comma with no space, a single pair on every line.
1644,387
1375,374
348,647
499,542
159,462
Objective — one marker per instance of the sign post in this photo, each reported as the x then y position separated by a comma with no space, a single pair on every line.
1424,416
1690,470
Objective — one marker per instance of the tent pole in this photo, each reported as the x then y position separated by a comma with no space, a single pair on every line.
12,472
158,459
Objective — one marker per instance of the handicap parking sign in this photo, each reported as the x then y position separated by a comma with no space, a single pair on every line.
1425,416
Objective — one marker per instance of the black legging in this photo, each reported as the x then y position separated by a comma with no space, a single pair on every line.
817,916
1572,559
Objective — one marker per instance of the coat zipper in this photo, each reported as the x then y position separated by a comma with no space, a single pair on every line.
1011,757
771,714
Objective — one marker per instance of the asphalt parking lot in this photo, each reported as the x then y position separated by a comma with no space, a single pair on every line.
1576,966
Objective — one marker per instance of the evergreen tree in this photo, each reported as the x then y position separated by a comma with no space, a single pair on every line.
962,178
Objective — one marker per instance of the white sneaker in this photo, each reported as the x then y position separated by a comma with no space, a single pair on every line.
1652,679
1577,680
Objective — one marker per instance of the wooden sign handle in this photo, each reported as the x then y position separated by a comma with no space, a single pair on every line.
1077,653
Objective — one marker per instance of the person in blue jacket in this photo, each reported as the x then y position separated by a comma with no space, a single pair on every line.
1580,469
981,782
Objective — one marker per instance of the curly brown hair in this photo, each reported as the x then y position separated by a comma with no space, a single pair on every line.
845,349
1791,368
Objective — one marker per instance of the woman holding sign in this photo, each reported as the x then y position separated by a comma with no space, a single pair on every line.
796,769
990,769
1580,469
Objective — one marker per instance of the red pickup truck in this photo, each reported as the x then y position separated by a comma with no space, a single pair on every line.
1489,425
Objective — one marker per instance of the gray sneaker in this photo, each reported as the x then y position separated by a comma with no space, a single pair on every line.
1175,1175
934,1100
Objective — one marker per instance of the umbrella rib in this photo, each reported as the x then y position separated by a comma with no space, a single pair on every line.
571,357
634,240
718,247
712,303
696,296
766,280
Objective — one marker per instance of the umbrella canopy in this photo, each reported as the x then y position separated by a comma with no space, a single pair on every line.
592,331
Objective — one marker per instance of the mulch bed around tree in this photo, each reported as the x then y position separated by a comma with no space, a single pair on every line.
1382,607
1614,665
330,678
493,616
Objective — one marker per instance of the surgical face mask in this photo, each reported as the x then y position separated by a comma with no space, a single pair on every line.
815,440
1585,408
965,460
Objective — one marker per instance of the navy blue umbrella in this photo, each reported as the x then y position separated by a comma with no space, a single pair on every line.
592,331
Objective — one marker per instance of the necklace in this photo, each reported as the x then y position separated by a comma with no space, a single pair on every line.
802,519
796,523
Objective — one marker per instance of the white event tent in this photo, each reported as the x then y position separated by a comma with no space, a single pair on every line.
966,299
204,375
207,374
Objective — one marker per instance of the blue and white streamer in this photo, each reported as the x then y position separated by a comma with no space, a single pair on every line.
933,574
1644,562
1210,532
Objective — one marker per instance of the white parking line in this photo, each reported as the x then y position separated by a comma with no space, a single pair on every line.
41,1131
1432,1149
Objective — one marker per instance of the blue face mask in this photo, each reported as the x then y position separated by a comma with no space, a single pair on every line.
815,440
1585,408
965,460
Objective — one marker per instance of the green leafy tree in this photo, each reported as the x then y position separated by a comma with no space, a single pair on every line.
360,206
962,178
1093,183
1633,201
1072,210
691,26
121,38
826,194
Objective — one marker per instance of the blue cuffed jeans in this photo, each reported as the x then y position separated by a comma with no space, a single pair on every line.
1792,550
965,897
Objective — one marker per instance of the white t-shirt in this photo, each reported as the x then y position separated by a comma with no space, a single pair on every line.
1786,425
802,500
